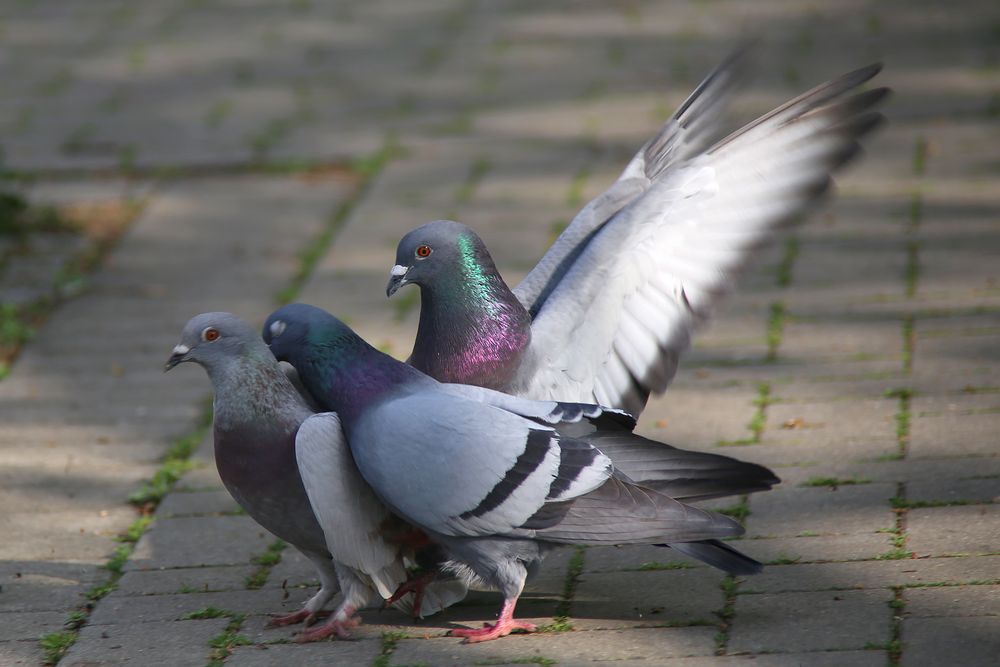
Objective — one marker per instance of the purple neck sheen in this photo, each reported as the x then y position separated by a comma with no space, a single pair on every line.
471,331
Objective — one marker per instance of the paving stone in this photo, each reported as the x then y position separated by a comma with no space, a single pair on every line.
307,655
572,648
949,641
197,541
971,529
29,625
178,643
820,659
197,502
634,599
21,653
634,557
151,608
184,580
791,511
810,621
953,601
554,100
809,548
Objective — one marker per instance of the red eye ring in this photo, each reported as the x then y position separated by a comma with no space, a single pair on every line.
210,334
423,252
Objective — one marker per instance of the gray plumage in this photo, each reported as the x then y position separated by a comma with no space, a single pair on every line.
495,479
606,313
291,471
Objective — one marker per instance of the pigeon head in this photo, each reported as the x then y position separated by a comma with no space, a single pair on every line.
437,253
211,338
298,329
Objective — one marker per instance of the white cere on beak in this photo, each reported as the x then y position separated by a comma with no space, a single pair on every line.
399,270
181,349
278,327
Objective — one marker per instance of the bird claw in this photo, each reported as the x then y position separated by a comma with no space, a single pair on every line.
416,586
491,631
303,615
331,627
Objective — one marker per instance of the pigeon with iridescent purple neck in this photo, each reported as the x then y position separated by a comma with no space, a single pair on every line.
496,481
605,315
291,471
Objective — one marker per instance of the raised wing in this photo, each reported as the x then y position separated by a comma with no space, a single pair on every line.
348,511
684,135
613,328
469,469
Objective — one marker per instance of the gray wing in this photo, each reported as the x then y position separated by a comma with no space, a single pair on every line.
547,412
613,328
348,511
684,135
681,474
469,468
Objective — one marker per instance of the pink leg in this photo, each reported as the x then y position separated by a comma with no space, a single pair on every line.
415,586
278,621
503,627
340,628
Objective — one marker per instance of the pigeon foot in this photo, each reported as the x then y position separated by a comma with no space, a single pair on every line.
340,628
416,585
303,615
505,625
494,631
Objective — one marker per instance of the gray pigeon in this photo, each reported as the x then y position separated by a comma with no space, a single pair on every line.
605,315
489,477
292,472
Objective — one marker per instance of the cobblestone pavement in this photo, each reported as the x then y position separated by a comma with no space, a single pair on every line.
279,150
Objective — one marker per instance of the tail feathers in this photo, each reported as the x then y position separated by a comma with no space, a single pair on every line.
681,474
620,512
718,554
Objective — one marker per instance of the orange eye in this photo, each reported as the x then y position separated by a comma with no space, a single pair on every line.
209,334
423,251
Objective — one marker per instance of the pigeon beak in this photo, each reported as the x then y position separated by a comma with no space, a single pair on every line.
179,355
397,278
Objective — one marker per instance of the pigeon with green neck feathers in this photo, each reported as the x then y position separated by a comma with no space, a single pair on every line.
291,471
496,481
606,313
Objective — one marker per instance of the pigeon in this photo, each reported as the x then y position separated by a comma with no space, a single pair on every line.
290,469
494,480
606,313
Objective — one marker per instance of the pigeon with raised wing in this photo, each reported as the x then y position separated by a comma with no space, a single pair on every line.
606,313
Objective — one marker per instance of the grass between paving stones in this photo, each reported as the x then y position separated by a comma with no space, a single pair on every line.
775,330
726,614
477,172
739,511
653,566
561,621
222,644
389,640
533,660
174,464
265,561
100,224
365,170
574,197
758,421
899,550
833,482
902,417
783,273
909,343
56,644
